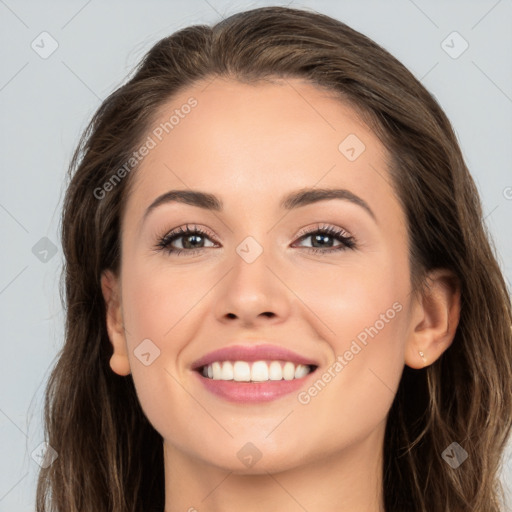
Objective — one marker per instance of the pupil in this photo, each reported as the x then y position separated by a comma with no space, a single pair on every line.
321,238
190,237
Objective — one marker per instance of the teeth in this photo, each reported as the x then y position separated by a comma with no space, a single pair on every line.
288,371
275,372
227,371
258,371
216,370
301,371
241,371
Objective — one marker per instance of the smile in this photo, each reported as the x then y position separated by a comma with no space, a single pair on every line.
261,381
257,371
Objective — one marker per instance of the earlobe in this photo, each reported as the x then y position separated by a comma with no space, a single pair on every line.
119,361
434,320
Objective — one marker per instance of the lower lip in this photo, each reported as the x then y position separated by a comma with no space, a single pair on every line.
252,392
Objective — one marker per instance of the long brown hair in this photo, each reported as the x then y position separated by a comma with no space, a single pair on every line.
110,457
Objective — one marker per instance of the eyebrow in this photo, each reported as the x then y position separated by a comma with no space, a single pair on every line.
296,199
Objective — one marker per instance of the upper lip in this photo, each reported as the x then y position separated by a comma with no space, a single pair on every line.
252,353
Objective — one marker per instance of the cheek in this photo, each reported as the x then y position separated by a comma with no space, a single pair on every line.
362,316
158,299
157,306
357,299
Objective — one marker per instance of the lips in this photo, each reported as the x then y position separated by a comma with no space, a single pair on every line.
252,353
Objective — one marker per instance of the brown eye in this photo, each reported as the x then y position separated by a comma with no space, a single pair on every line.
190,239
323,240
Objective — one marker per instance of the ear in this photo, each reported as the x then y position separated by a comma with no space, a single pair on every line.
110,288
434,319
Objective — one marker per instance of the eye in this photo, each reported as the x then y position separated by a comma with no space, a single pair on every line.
323,238
190,239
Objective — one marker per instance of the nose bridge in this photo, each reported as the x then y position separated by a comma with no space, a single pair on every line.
250,266
251,289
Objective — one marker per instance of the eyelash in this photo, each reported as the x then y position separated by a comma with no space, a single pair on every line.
347,241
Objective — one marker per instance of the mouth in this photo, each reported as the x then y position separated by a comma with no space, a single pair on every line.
254,382
255,371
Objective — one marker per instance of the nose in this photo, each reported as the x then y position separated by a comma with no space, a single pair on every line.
253,294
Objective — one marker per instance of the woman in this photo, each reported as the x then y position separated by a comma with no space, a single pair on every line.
280,292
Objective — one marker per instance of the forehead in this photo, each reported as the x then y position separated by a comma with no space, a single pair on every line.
259,141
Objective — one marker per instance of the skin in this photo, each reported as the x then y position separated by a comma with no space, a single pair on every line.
250,145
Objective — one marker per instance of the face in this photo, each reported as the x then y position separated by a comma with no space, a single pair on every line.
323,274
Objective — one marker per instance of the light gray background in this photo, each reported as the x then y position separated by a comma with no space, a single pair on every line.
46,103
